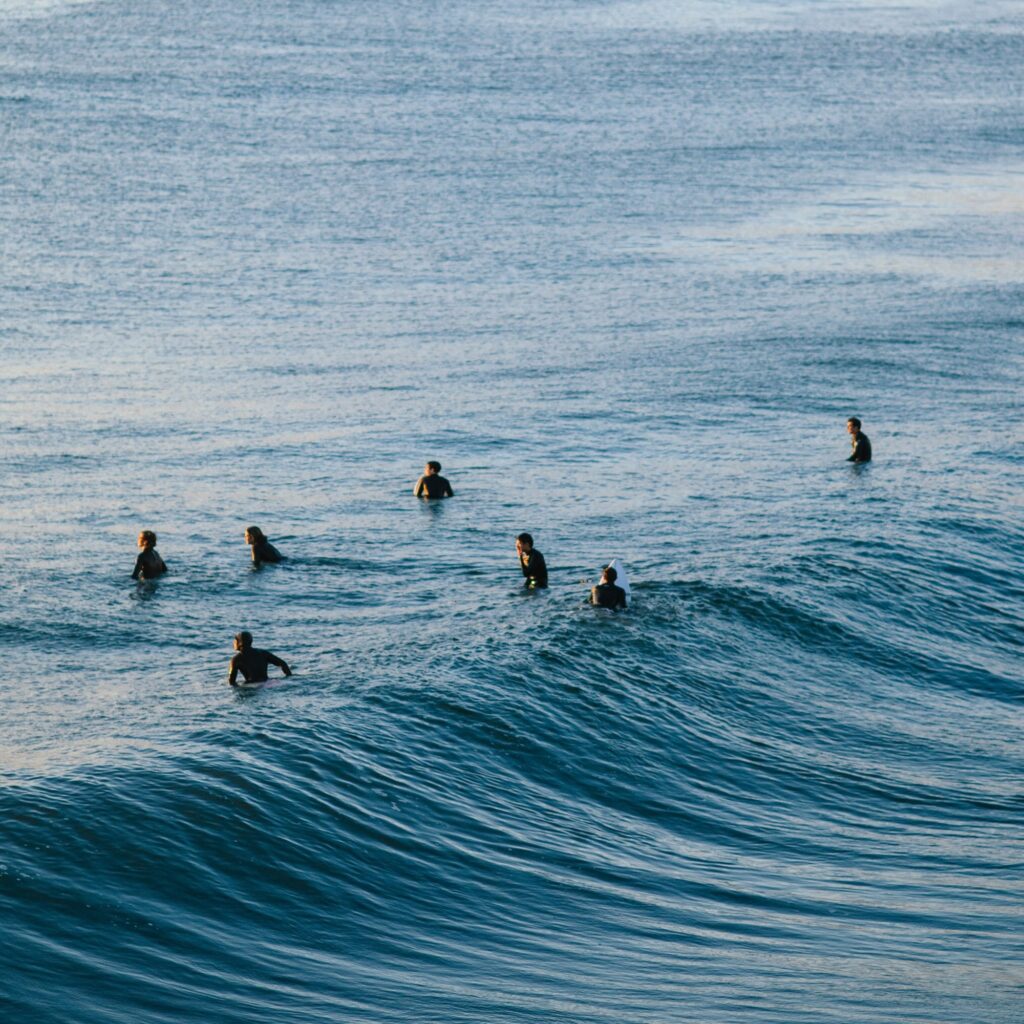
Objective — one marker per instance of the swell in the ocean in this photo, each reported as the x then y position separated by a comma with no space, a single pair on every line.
625,270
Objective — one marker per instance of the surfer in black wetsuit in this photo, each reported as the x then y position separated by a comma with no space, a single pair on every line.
532,562
432,484
606,594
262,549
252,662
149,564
858,441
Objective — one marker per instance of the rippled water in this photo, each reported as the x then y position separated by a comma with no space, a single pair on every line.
625,269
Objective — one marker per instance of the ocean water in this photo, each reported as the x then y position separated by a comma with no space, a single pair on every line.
625,269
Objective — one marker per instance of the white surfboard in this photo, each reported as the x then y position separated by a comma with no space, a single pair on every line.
622,580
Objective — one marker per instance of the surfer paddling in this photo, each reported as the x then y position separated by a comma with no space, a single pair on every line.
531,561
252,662
149,564
607,594
262,549
858,441
432,484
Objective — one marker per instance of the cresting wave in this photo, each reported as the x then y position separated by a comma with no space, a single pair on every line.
623,792
625,271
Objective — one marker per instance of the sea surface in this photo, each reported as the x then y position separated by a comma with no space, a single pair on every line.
625,269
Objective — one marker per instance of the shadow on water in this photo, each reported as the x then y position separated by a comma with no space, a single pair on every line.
145,590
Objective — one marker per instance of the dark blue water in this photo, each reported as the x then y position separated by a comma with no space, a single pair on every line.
625,269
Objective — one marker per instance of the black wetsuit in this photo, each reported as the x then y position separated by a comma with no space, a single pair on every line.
535,569
148,565
252,663
861,448
264,551
608,595
434,486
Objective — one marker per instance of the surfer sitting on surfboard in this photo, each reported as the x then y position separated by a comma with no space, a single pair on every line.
859,441
149,564
432,484
262,549
532,562
252,662
606,594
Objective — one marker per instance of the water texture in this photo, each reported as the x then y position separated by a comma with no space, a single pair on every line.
625,269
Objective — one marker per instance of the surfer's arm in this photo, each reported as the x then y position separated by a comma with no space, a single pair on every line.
448,492
233,671
279,662
137,571
418,488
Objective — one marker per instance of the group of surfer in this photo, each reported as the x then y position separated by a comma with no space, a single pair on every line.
149,565
252,662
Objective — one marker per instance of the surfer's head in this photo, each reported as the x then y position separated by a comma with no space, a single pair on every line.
433,467
610,575
524,543
853,425
243,640
254,535
147,539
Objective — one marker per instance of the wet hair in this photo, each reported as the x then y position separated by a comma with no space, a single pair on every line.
256,533
149,537
435,465
244,638
854,421
610,573
525,538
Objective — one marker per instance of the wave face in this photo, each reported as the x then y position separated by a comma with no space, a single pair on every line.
625,270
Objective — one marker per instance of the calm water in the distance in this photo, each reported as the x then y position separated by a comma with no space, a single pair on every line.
625,269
